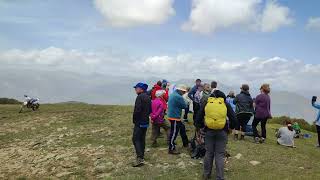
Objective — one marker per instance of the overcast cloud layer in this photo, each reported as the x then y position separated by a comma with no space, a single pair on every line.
283,74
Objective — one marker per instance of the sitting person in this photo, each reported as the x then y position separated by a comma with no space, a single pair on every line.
296,127
286,134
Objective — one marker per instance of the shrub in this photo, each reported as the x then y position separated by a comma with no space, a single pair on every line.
9,101
303,123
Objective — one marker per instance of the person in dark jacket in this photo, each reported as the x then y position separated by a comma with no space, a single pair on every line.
244,111
262,113
142,110
215,140
191,95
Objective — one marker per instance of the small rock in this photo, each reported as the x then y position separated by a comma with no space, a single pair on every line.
182,165
148,150
238,156
301,167
63,174
254,163
59,129
64,128
201,162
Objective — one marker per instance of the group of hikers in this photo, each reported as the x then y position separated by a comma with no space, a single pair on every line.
214,116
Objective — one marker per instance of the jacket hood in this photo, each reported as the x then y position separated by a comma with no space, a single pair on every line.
245,92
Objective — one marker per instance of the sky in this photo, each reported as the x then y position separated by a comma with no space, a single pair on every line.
252,41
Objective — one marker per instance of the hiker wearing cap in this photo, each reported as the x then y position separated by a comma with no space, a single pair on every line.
244,111
196,102
157,117
317,122
142,110
262,113
286,135
213,118
175,106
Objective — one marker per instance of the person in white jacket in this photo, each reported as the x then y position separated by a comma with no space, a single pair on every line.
188,102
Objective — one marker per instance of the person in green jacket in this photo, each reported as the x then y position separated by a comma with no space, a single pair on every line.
296,127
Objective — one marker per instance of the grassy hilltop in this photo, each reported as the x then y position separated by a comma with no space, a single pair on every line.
79,141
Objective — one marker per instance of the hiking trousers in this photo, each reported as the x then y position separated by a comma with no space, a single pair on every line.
243,120
186,112
139,140
155,131
176,128
215,143
255,123
196,108
318,131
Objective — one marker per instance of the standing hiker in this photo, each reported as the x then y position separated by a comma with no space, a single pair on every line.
175,106
317,122
213,118
205,94
244,111
157,117
230,101
155,88
191,95
142,110
263,113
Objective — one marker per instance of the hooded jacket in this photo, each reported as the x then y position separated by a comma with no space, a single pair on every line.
142,109
317,106
176,104
155,88
157,114
244,103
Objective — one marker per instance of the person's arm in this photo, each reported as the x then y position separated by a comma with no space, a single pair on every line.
192,92
235,101
316,105
200,116
181,103
137,108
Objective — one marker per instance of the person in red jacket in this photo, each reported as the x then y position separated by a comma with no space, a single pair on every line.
156,88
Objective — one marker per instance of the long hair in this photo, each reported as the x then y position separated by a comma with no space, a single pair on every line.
265,88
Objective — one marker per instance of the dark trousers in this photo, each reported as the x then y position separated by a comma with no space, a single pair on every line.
196,108
176,128
215,142
243,120
186,112
255,123
139,140
318,131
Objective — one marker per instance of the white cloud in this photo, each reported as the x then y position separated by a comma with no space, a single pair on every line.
293,75
208,16
127,13
275,16
313,23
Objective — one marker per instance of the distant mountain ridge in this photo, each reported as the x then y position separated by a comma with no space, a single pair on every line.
54,87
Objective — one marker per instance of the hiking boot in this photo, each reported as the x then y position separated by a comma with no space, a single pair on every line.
242,138
236,137
139,162
174,152
257,140
262,140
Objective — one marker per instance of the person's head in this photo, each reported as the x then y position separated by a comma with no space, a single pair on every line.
214,84
160,93
159,83
198,82
245,88
181,89
265,88
231,94
200,87
206,87
188,89
140,88
164,84
288,123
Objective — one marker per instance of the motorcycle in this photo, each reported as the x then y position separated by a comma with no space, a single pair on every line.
33,104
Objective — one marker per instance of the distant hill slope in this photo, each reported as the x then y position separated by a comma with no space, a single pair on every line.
53,87
9,101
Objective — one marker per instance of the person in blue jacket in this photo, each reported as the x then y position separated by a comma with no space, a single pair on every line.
191,95
317,122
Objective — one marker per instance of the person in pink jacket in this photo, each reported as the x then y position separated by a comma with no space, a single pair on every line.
157,117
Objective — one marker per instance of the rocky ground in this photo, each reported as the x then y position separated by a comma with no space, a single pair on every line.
70,141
